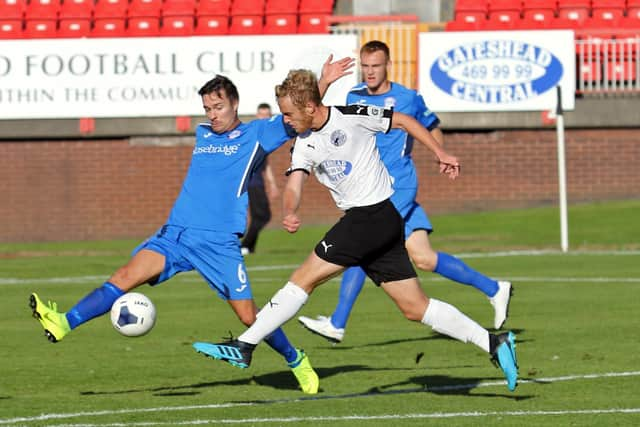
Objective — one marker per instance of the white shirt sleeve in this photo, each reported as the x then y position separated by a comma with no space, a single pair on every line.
300,159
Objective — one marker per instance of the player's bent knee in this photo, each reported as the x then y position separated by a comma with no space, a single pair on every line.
425,263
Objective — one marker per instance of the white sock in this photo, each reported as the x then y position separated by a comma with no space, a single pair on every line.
446,319
282,307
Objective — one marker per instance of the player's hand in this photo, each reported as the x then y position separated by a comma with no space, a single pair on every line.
449,165
291,223
332,71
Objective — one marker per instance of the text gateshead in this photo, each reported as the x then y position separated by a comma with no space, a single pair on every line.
483,80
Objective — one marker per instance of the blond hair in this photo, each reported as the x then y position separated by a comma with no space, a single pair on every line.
301,86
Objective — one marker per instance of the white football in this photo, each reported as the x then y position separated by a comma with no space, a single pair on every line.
133,314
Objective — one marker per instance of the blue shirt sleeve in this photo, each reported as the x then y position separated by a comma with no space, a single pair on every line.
425,116
273,132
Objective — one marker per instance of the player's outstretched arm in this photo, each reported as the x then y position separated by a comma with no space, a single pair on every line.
448,164
270,179
332,71
291,196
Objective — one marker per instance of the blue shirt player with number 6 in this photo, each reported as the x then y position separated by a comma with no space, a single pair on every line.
204,224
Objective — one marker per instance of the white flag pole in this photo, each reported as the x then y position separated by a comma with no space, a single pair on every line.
562,175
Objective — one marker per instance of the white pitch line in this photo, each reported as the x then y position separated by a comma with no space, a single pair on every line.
194,278
46,417
432,415
291,267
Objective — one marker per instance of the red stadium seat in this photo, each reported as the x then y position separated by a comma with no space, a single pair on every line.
502,21
143,26
74,27
575,10
507,7
470,16
42,9
177,26
12,9
211,25
539,11
247,8
144,8
536,19
109,27
313,23
281,7
470,9
281,24
316,7
213,8
77,9
538,15
610,22
246,24
110,9
11,29
179,8
633,12
564,24
607,9
467,23
40,28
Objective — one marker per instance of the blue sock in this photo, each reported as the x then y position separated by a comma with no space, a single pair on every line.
98,302
350,287
454,269
280,343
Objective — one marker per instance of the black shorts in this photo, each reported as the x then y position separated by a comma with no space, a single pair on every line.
371,237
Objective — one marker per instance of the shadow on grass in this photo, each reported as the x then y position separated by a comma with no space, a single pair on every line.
434,337
284,380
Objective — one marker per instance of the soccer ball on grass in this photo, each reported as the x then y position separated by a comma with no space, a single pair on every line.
133,314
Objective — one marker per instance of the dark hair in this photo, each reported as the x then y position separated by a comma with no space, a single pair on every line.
218,84
263,105
375,45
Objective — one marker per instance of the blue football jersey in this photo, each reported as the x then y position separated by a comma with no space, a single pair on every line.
214,192
396,145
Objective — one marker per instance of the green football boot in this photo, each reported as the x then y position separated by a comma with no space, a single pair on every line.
55,324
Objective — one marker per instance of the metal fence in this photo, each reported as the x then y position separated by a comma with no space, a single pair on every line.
608,66
400,33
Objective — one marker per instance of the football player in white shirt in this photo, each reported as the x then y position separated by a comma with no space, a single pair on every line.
338,145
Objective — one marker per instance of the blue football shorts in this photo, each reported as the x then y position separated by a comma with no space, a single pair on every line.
415,218
213,254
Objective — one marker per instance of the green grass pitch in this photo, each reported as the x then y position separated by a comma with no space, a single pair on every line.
575,316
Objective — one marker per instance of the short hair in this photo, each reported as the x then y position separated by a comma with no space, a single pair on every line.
301,86
217,85
374,46
263,106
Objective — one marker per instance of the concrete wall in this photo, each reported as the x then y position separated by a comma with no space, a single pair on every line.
124,188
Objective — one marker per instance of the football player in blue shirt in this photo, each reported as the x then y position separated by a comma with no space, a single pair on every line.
395,151
204,224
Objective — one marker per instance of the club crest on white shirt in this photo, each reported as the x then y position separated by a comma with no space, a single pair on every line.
375,111
338,137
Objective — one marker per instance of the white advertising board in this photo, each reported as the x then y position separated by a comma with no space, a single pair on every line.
145,77
497,70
